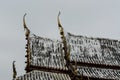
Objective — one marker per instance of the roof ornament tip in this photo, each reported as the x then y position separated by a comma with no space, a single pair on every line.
25,26
14,70
24,23
59,24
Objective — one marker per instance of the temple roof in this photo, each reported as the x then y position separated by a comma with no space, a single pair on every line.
48,53
72,58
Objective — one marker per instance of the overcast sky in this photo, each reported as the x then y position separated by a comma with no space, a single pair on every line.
97,18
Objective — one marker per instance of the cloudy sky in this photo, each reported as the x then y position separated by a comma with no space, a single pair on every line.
97,18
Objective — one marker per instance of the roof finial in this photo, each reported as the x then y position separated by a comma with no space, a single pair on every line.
63,39
66,49
27,33
14,71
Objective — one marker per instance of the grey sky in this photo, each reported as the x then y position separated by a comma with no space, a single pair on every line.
97,18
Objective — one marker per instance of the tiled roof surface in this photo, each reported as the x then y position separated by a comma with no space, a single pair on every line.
94,50
49,54
41,75
99,72
46,53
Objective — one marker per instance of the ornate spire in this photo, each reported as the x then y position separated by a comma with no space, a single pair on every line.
63,41
27,33
14,71
66,49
